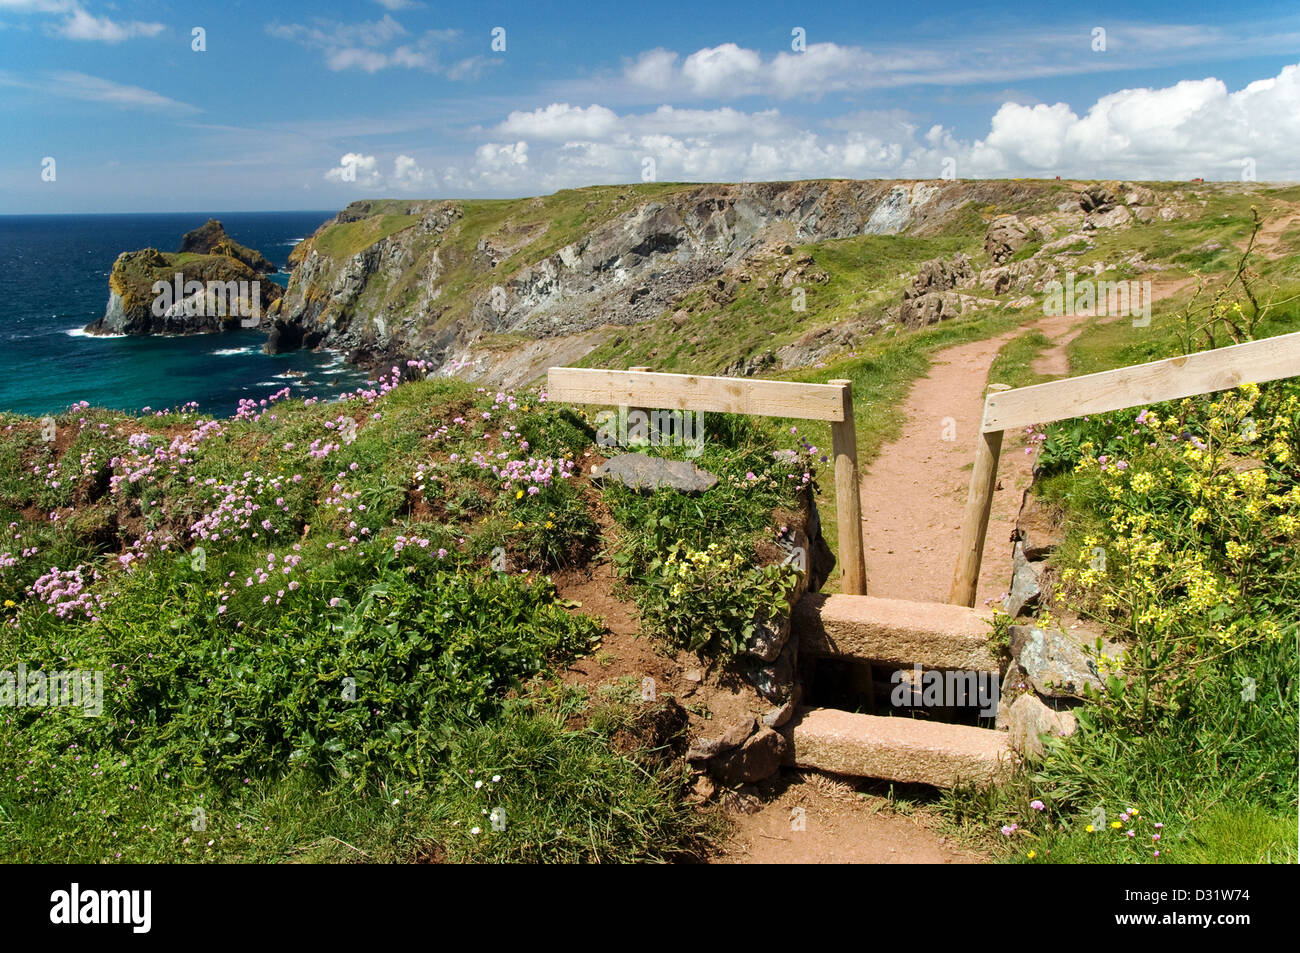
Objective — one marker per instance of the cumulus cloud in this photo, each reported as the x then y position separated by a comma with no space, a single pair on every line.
407,174
1192,128
561,121
363,171
356,169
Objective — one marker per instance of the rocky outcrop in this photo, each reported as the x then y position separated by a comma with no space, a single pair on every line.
931,297
209,285
210,238
1006,235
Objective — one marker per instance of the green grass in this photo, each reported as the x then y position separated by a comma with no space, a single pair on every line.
345,240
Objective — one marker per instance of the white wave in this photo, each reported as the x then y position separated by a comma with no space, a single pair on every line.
83,333
232,351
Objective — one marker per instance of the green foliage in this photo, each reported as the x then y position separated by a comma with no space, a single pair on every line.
712,601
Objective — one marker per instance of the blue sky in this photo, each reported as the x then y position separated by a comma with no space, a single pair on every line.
312,105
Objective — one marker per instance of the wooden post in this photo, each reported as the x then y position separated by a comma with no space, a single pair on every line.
848,503
629,410
975,524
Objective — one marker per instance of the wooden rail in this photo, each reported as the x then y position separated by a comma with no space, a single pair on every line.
831,402
1205,372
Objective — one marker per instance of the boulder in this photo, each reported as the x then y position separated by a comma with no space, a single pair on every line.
775,682
758,758
1110,218
1026,589
1054,663
778,716
1037,529
642,472
940,274
1097,198
929,309
769,639
702,749
1027,719
1138,194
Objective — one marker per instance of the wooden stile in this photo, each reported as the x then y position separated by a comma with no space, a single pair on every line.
831,402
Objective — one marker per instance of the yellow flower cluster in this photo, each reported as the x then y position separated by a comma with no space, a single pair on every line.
1166,575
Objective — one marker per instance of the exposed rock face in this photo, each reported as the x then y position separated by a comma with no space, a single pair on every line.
1097,198
641,472
429,282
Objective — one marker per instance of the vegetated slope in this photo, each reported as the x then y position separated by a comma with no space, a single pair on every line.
325,631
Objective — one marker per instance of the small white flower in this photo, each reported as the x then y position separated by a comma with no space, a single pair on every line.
396,802
477,785
496,778
473,830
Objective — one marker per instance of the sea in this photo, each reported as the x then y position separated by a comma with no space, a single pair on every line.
54,281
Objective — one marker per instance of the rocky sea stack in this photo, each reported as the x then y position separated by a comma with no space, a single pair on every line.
212,283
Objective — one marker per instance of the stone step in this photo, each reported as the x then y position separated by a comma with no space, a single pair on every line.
895,631
896,749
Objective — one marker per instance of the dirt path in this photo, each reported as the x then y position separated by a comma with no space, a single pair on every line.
914,495
814,819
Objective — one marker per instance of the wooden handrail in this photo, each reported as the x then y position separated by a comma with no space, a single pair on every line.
832,402
1204,372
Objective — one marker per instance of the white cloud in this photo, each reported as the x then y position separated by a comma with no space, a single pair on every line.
83,26
560,121
653,69
726,70
80,24
729,71
1192,128
73,85
356,169
407,173
368,46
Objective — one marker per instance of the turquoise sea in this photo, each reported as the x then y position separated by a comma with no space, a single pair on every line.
54,280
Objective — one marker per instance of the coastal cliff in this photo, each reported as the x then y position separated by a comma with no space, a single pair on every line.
453,282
